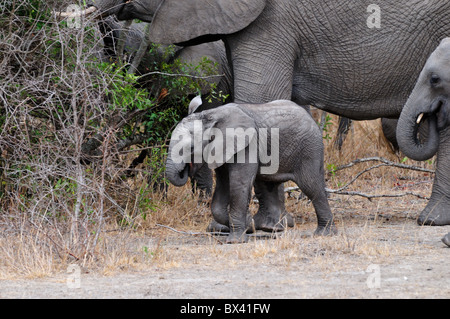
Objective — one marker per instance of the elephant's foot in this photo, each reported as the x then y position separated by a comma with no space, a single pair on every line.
238,234
289,219
237,237
329,230
216,227
436,213
446,239
268,223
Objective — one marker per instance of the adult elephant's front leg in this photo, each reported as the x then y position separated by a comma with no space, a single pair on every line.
437,212
262,70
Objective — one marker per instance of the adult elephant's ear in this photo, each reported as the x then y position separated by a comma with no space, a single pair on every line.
180,21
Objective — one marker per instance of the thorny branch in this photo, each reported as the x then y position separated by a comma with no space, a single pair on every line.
212,235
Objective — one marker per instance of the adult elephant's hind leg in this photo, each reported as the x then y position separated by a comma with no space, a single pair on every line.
271,215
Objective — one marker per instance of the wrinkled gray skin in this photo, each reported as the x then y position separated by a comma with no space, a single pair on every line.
316,53
429,103
300,160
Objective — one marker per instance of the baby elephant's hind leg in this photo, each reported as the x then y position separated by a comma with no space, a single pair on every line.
311,181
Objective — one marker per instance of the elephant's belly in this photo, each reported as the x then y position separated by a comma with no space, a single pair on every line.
347,100
365,79
275,178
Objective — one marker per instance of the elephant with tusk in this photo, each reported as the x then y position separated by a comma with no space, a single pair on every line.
327,54
428,109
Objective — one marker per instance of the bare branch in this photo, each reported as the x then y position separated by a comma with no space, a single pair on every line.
212,234
370,197
384,163
183,75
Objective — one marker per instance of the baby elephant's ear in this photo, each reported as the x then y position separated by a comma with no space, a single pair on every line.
233,131
178,21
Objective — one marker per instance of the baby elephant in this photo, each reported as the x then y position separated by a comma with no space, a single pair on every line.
252,145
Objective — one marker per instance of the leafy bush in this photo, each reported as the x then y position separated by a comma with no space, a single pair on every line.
71,124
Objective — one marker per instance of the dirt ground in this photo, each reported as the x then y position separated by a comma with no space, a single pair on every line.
380,251
377,257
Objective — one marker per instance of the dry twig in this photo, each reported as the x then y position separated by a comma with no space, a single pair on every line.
384,162
211,234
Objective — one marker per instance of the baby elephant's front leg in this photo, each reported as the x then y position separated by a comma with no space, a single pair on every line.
240,219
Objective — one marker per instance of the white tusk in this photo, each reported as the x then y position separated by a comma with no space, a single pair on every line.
75,14
419,119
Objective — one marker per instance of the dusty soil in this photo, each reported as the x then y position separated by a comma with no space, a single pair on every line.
380,251
370,258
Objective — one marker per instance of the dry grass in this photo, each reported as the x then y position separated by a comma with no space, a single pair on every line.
361,222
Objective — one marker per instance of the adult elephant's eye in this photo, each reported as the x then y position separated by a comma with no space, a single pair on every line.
435,79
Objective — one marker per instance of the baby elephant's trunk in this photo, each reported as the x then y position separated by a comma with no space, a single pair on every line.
177,174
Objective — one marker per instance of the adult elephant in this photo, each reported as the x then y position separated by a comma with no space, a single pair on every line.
429,105
111,30
214,52
351,58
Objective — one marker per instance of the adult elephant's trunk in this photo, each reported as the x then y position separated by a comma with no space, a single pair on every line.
177,174
412,142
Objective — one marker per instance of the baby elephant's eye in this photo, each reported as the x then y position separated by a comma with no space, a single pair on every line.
435,79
